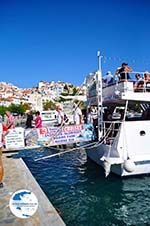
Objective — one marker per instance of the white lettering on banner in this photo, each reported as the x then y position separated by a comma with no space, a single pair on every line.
15,138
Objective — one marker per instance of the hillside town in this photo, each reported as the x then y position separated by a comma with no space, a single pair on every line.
36,97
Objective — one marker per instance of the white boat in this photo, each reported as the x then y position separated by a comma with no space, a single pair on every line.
123,144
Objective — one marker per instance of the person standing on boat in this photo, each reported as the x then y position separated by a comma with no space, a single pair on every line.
77,115
3,132
90,116
38,120
10,121
59,115
108,78
123,72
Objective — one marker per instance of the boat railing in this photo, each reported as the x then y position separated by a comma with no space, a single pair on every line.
130,84
110,130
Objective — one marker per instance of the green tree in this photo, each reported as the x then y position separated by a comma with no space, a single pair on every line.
3,109
15,108
49,105
26,106
21,109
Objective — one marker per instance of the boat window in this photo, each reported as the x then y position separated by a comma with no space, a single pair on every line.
118,113
134,112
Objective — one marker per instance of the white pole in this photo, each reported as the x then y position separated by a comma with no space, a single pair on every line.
99,60
99,96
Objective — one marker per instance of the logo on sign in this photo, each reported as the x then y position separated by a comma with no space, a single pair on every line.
23,203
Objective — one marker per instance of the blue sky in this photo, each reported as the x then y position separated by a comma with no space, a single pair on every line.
58,40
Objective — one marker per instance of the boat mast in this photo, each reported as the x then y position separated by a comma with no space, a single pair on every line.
99,96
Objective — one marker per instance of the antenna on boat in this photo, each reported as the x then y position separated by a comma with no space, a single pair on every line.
99,60
99,96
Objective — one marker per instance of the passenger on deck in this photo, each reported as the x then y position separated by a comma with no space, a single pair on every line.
123,72
147,81
139,82
146,76
108,78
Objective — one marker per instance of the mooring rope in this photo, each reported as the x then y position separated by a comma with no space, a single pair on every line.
87,146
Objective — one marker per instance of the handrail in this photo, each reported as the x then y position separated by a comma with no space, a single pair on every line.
135,72
142,88
112,130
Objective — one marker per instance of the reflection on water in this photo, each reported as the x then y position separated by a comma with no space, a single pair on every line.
83,195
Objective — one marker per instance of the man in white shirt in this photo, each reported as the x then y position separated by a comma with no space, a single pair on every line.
108,78
77,115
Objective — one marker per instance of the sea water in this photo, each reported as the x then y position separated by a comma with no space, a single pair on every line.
83,196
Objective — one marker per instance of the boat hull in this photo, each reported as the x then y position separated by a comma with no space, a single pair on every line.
96,153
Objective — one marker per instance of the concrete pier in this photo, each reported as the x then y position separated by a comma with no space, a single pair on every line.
17,177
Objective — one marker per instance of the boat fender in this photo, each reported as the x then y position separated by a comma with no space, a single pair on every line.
129,165
107,167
